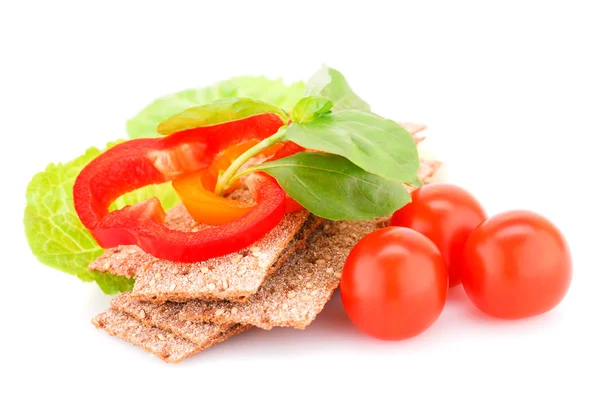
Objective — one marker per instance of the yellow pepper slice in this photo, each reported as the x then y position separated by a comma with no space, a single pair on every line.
196,190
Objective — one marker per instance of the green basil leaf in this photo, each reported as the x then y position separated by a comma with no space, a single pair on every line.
270,91
310,108
377,145
331,83
332,187
218,112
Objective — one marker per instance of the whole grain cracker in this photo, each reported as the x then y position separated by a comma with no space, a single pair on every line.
298,292
122,260
167,346
171,349
234,277
299,242
166,317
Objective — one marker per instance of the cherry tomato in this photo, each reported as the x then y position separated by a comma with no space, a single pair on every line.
447,215
394,284
516,265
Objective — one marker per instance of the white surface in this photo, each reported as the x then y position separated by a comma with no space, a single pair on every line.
510,93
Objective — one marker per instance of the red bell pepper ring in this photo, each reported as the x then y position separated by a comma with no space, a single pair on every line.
140,162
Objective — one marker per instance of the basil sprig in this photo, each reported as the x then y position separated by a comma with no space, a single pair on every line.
361,163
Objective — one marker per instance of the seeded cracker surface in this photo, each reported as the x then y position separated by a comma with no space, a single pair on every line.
233,277
311,224
154,340
166,316
162,343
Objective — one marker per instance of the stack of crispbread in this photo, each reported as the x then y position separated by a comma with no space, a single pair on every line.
178,309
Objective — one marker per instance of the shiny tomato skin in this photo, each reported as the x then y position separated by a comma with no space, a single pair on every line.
394,284
516,264
446,214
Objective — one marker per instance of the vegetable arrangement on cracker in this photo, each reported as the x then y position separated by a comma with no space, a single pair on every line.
248,203
229,207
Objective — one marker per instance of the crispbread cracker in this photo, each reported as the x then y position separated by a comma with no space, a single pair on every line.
299,242
166,316
169,348
298,292
164,344
234,277
121,260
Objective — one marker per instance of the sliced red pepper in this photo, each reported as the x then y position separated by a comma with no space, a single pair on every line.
137,163
196,190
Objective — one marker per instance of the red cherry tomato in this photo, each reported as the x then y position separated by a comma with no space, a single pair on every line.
447,215
516,265
394,284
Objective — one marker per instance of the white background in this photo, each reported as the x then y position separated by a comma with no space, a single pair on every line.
510,92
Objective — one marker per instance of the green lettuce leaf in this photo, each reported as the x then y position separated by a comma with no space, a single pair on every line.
270,91
333,187
218,112
55,234
329,82
165,193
